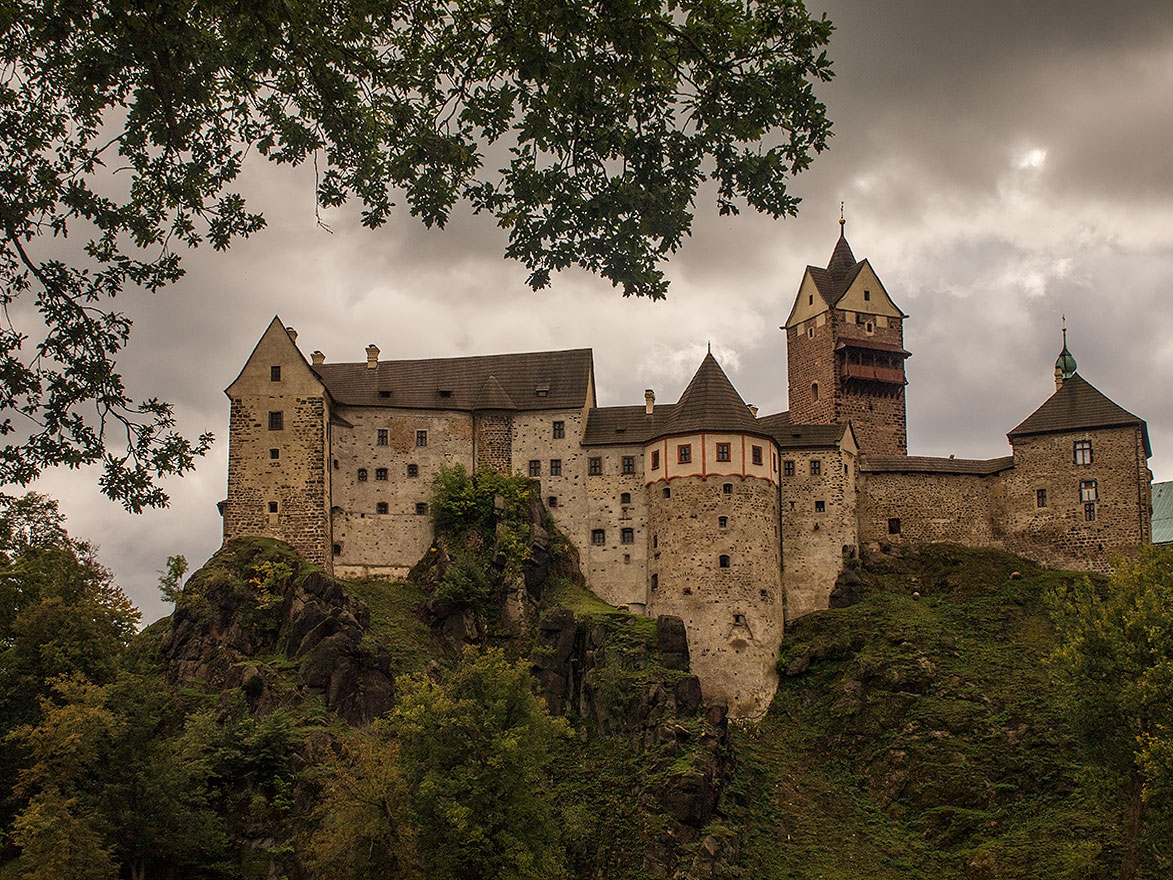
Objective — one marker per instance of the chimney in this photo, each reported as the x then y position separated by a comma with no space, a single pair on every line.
649,401
372,356
292,334
753,410
318,358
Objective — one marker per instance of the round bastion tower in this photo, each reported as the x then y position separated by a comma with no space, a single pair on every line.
714,552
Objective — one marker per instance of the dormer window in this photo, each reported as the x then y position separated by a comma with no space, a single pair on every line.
385,395
542,391
445,392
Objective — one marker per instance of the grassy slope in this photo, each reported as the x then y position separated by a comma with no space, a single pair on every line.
924,739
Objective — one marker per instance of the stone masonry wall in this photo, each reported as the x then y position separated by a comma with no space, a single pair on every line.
615,569
733,615
810,358
564,494
957,508
816,542
494,441
374,543
875,410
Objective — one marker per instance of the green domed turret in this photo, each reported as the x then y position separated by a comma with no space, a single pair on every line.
1064,364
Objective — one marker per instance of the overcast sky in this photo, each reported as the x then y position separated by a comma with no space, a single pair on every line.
1002,163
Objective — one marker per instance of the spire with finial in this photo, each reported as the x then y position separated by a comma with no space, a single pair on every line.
1065,364
842,259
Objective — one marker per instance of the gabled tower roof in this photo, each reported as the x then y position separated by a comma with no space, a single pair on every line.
1076,406
711,403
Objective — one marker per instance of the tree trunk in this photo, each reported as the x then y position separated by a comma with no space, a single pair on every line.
1132,827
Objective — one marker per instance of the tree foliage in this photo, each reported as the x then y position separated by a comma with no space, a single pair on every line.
585,130
1115,664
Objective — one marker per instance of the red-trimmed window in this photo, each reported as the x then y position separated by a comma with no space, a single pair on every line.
756,455
655,459
684,453
722,452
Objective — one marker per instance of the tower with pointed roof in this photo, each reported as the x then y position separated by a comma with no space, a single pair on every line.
845,352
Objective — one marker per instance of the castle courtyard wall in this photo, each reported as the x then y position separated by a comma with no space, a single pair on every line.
930,507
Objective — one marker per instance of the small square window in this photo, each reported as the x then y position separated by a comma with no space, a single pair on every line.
535,467
362,475
625,498
559,430
421,508
598,537
272,507
274,453
1089,511
816,467
276,421
667,492
380,475
684,453
381,507
656,460
381,437
1088,491
722,522
552,501
421,438
274,374
629,464
337,549
627,536
894,526
595,467
722,452
1040,497
555,467
413,470
756,455
1083,451
727,489
723,561
820,507
788,469
384,395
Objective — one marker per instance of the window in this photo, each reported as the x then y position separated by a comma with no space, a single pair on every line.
858,318
684,453
381,507
274,453
723,561
625,498
413,470
421,438
595,466
552,501
337,549
816,467
626,558
722,452
627,536
629,464
820,507
727,489
381,437
421,508
1040,497
815,392
756,455
559,430
867,296
810,332
656,460
362,475
1083,451
272,507
445,392
380,475
1089,511
598,537
788,469
667,492
894,526
535,467
722,522
1088,491
810,300
655,541
276,421
739,620
555,467
274,374
384,394
655,581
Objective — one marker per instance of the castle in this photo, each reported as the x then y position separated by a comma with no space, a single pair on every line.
734,522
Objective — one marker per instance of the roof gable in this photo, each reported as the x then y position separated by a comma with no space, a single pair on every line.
275,348
1078,406
879,302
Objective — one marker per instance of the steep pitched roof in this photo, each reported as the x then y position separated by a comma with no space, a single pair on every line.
710,403
1163,513
621,425
1078,405
528,381
842,259
791,436
923,464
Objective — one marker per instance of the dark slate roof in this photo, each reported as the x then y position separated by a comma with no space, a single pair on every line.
842,259
1076,406
710,403
923,464
833,286
874,344
791,436
1163,513
418,384
619,425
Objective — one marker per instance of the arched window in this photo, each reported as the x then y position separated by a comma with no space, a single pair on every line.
815,392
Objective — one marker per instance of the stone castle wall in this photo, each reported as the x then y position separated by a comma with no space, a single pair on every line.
875,410
810,359
930,507
617,567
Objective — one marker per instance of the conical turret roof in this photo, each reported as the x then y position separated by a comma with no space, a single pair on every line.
842,259
711,403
